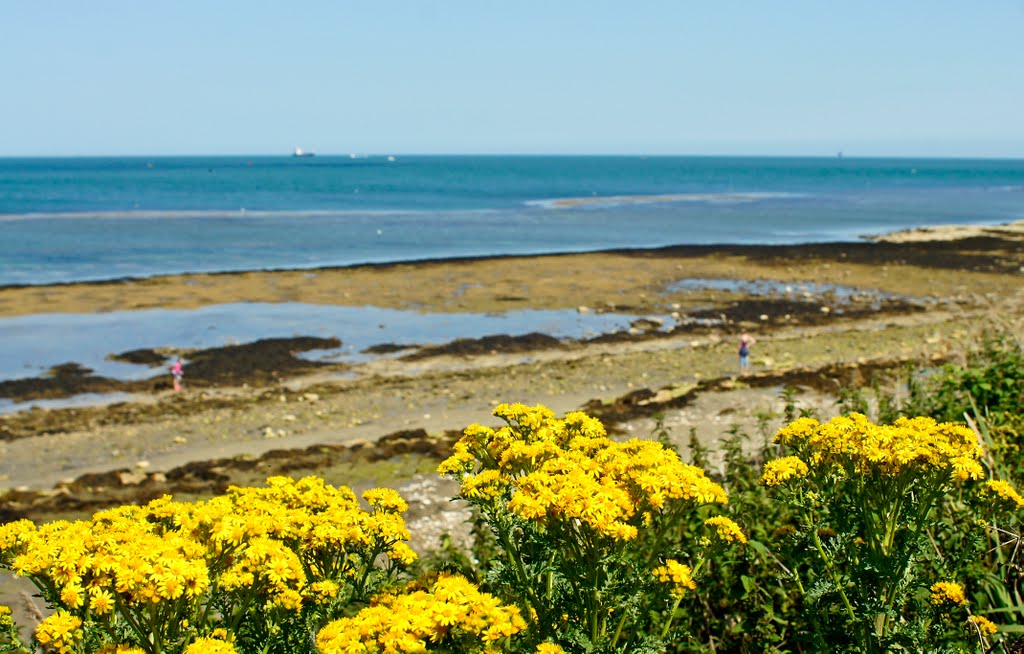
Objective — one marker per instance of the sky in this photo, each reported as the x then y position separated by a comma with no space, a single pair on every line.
709,77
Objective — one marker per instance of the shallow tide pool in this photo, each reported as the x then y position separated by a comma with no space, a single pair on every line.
32,345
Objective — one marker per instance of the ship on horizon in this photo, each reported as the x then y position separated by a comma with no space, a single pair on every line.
299,152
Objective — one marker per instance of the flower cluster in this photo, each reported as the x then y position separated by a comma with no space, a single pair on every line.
855,444
780,470
676,574
1005,492
726,530
567,471
210,645
948,592
984,626
452,610
60,632
157,570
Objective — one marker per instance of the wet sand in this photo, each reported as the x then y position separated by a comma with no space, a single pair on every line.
612,281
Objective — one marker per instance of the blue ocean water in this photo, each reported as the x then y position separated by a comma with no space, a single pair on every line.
78,219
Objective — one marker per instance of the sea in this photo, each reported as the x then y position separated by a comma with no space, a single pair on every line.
91,218
79,219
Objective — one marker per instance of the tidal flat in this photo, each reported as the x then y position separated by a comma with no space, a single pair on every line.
825,316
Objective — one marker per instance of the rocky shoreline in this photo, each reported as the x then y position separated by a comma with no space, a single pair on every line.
911,302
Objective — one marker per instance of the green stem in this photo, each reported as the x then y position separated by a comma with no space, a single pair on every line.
125,613
832,572
595,608
671,617
513,556
622,622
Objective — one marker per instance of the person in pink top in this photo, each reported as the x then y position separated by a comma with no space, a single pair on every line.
177,371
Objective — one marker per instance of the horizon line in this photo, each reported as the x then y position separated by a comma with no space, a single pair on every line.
310,154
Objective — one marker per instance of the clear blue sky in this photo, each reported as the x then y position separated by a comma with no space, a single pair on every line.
866,77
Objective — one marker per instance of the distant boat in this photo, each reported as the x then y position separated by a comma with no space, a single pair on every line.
299,152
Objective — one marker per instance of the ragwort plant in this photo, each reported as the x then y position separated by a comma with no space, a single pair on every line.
866,496
986,391
747,602
588,527
255,570
10,642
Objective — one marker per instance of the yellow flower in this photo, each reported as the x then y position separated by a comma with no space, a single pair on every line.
60,632
386,499
781,470
568,472
676,574
72,595
101,601
985,626
402,553
5,615
322,591
210,646
1005,491
452,609
947,592
854,442
726,529
549,648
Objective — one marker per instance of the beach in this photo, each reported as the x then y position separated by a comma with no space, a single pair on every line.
825,317
913,300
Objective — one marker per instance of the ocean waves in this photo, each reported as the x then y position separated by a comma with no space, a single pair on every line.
620,200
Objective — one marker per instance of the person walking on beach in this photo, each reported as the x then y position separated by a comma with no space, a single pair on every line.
177,372
746,341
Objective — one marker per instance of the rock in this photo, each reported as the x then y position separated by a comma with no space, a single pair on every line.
311,397
142,465
131,478
582,309
180,440
645,325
